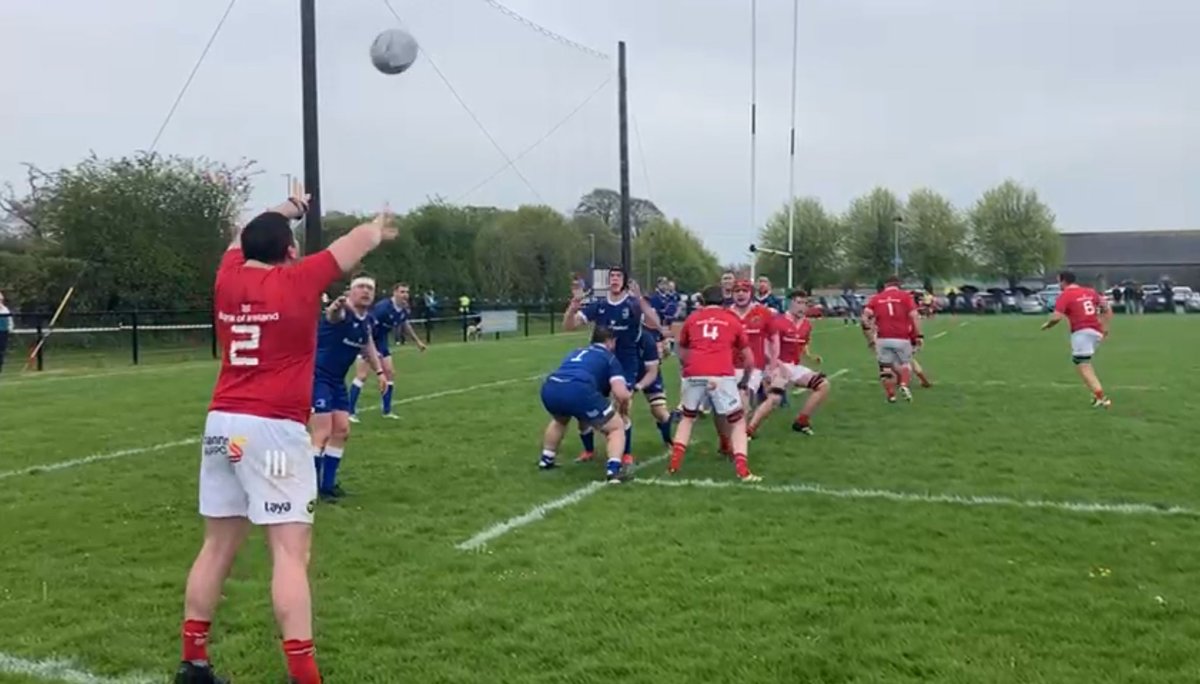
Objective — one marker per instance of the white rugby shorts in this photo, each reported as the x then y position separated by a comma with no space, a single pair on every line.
1084,343
724,394
755,381
797,375
256,468
894,352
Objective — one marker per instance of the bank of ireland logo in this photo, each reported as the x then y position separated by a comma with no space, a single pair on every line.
236,449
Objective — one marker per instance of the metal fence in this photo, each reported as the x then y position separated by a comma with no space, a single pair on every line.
142,334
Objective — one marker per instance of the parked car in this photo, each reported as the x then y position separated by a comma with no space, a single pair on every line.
1192,305
1049,295
1032,304
1181,294
1157,301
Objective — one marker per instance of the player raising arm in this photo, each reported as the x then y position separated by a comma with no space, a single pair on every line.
255,466
342,336
580,389
1089,317
708,343
892,320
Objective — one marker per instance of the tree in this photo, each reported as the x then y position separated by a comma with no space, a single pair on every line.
1013,233
937,237
871,230
818,258
528,254
674,251
605,205
153,228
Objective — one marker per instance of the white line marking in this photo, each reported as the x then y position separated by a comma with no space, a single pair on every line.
94,458
539,512
61,465
1031,386
964,324
939,335
911,497
63,671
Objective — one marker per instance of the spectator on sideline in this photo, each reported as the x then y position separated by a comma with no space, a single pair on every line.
6,324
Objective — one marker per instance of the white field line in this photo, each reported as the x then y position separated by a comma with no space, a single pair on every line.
538,512
930,498
62,465
1022,385
939,335
63,671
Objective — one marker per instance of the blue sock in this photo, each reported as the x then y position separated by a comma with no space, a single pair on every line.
589,440
317,461
629,439
355,390
333,459
664,428
387,398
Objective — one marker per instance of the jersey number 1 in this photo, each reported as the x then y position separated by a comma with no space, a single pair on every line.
239,349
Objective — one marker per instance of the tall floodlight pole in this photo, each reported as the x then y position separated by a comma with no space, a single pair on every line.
896,223
791,277
308,88
753,125
623,119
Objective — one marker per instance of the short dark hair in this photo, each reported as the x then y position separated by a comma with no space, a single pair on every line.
1067,277
624,275
397,286
601,335
797,293
713,295
892,280
267,238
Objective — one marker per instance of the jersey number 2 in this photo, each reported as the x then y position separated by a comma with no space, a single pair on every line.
239,349
710,331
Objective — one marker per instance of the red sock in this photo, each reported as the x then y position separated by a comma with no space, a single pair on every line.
1099,393
677,451
301,663
725,447
740,466
905,376
802,420
889,387
195,640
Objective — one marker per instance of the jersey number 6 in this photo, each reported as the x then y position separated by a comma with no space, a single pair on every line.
238,348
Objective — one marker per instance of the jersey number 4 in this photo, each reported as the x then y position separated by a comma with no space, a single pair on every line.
241,350
710,331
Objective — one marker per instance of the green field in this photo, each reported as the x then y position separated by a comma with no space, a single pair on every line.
951,540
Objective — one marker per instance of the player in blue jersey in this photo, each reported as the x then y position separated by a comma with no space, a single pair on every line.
623,311
344,333
391,314
580,390
650,383
666,305
766,297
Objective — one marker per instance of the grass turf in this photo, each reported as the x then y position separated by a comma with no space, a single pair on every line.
645,583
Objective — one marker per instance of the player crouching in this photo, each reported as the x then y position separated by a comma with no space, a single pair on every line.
580,389
708,343
787,339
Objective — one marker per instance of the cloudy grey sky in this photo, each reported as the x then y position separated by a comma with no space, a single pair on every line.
1093,102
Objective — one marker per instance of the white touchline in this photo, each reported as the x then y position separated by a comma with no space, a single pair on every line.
63,671
940,335
912,497
538,512
61,465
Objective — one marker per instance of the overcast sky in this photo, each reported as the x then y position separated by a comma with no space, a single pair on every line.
1096,103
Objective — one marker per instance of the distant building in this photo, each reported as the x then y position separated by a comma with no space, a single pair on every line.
1140,256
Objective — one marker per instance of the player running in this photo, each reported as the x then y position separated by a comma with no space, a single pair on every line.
580,389
708,343
1089,317
255,466
391,314
788,340
343,335
624,311
891,320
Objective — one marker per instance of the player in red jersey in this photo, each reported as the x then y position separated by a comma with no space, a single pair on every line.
755,318
1089,317
256,466
891,317
788,338
707,343
916,365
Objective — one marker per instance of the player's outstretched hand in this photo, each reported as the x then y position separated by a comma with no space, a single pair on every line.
635,290
421,346
297,200
383,219
817,358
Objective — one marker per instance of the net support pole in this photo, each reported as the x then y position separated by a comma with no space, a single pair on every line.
753,128
791,271
623,118
312,165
